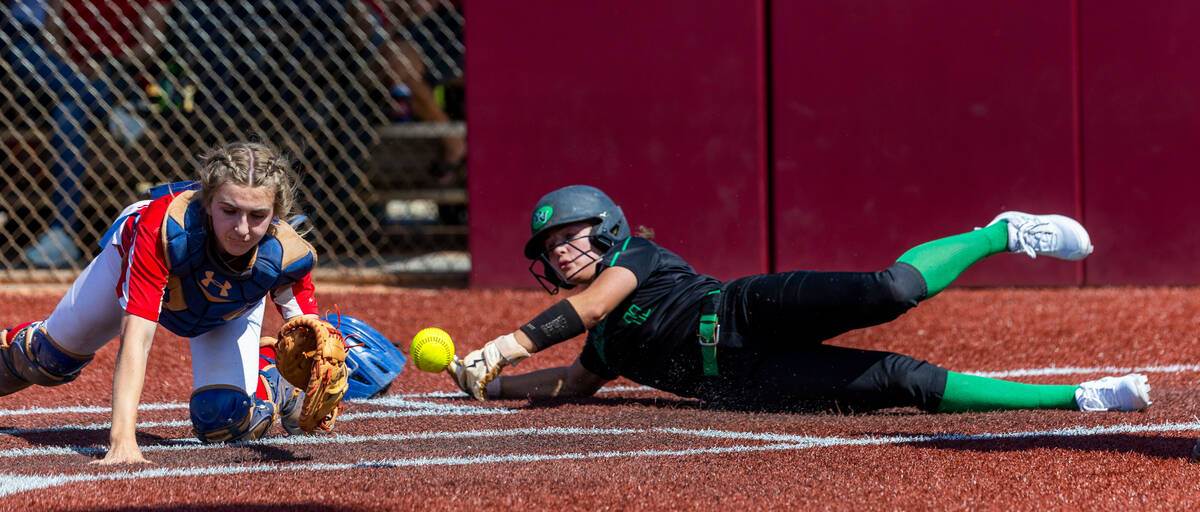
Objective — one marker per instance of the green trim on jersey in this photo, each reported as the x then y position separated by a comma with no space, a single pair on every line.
598,340
971,393
623,246
941,261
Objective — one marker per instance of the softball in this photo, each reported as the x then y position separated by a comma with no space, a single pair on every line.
432,349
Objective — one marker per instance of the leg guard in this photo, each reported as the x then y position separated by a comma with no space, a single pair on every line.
276,389
222,415
28,356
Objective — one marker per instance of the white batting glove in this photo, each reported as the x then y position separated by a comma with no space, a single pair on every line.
473,373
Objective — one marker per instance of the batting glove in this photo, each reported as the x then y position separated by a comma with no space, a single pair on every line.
473,373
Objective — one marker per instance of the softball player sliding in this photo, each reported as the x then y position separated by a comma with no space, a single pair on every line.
201,263
756,342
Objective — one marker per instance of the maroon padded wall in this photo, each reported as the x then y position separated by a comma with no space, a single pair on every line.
1141,126
892,122
660,103
899,121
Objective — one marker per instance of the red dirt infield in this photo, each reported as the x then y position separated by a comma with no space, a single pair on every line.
424,445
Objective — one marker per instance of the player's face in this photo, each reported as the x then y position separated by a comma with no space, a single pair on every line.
570,251
240,216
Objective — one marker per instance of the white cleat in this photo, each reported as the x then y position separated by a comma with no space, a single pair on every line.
1049,235
1128,393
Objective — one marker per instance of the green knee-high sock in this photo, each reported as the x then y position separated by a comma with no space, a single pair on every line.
941,261
965,393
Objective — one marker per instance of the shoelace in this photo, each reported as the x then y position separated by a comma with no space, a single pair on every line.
1102,395
1030,241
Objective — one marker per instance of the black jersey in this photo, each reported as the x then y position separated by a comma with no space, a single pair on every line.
650,337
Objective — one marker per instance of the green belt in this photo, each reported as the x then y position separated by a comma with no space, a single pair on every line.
708,332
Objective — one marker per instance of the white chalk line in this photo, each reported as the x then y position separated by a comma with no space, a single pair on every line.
419,408
142,425
460,394
403,399
16,483
416,408
95,409
384,401
1075,431
1076,370
174,445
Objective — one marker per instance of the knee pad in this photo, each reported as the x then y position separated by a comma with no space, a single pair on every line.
28,356
912,381
222,415
905,286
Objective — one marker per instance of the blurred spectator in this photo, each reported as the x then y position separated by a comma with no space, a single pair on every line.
276,68
77,53
288,70
424,50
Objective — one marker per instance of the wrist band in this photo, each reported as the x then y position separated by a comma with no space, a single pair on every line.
557,324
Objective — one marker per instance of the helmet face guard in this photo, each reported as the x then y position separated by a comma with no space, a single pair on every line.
551,278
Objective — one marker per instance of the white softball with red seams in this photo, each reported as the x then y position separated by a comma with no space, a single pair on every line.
432,349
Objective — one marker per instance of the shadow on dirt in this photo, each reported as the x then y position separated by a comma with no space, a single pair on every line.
659,402
1173,446
94,443
231,507
815,407
57,437
85,442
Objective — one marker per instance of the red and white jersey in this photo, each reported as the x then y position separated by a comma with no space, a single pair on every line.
169,277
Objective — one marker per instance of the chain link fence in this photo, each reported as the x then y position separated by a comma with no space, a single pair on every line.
101,99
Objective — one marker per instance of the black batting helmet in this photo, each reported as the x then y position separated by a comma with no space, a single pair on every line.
569,205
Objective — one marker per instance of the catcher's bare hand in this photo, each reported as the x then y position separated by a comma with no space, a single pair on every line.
122,454
473,373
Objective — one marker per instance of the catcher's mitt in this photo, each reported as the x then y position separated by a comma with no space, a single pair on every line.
311,354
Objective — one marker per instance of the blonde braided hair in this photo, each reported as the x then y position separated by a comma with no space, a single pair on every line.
250,164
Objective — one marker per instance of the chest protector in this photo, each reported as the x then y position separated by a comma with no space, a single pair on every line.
200,294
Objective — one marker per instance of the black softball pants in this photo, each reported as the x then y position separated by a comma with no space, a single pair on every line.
771,352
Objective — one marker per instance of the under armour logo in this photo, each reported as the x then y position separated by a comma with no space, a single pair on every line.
209,281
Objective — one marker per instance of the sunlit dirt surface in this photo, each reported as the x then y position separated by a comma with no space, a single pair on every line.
424,446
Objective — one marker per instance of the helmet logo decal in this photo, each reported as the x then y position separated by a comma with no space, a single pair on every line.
541,216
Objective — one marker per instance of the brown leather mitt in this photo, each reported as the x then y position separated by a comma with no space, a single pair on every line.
311,355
